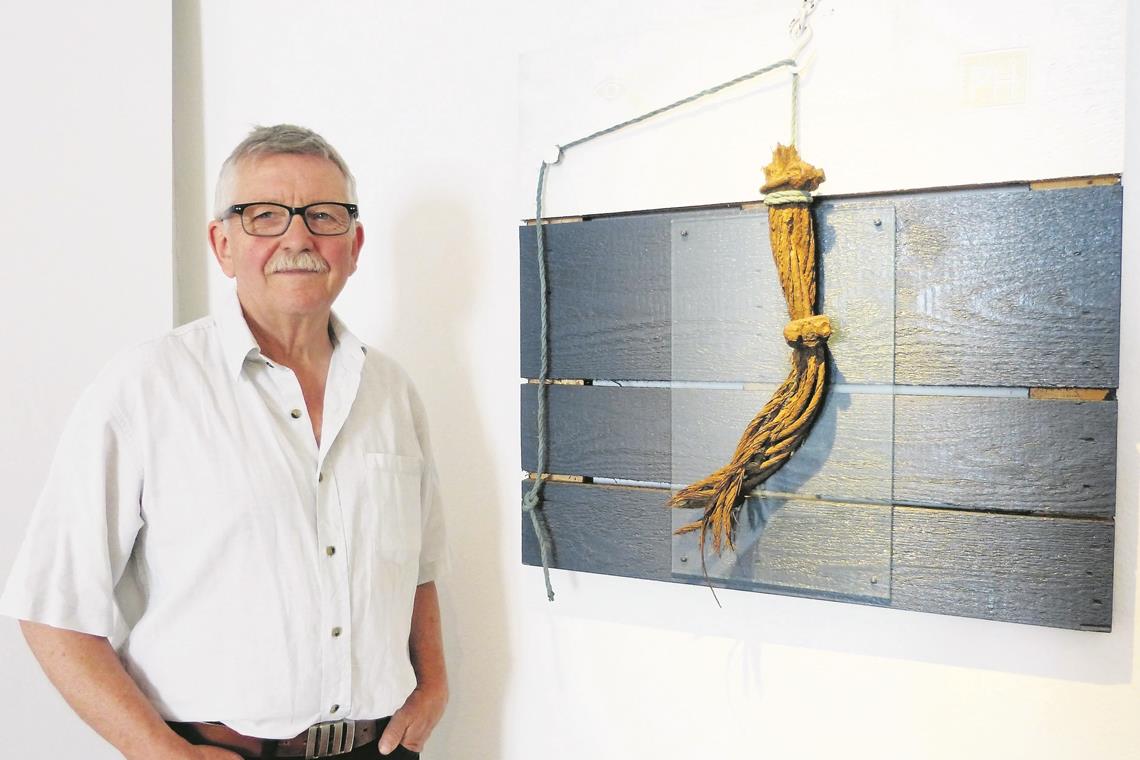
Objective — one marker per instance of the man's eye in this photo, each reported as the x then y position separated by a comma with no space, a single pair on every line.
320,216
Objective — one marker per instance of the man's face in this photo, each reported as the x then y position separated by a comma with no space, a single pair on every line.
275,277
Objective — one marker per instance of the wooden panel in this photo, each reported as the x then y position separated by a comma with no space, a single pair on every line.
994,287
1045,571
805,547
1001,287
1014,454
610,530
1006,454
1039,570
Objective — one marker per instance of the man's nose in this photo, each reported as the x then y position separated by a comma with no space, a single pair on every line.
297,231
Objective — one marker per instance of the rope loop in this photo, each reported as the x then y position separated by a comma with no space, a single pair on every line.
784,197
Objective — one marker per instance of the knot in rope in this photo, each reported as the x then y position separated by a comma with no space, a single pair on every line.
530,500
808,332
784,197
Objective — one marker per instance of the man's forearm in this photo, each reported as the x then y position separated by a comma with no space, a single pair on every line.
425,643
88,673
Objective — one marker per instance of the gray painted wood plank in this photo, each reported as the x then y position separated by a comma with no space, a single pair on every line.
1016,454
600,431
806,547
679,435
610,530
1001,286
1039,570
1022,569
1004,454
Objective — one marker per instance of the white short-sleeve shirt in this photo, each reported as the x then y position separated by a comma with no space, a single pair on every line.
244,574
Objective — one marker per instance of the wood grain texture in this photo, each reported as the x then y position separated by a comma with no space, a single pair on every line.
610,530
1001,454
600,431
1011,288
1067,182
1011,454
1073,394
1000,286
1022,569
609,286
805,547
1037,570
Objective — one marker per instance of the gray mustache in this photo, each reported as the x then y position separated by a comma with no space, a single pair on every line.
302,260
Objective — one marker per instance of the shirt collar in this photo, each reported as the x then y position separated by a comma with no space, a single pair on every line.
238,343
350,347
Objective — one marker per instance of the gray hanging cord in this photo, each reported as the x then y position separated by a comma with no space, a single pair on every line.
534,495
531,502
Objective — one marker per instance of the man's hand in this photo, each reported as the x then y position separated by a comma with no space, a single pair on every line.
412,724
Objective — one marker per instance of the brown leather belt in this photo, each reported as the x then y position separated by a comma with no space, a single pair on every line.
320,740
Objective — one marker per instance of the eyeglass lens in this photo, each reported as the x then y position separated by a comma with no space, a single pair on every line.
268,219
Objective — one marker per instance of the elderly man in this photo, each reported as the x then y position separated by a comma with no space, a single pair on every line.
235,552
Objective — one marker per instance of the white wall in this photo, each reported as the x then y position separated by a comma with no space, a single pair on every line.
630,669
436,105
86,198
894,95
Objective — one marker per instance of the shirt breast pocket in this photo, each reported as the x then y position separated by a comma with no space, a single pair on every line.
393,482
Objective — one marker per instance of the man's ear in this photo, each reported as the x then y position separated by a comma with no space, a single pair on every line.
220,245
357,244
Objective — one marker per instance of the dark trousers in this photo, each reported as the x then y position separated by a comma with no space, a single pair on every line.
369,751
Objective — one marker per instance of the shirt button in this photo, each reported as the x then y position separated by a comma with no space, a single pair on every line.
330,550
336,631
320,477
334,708
295,414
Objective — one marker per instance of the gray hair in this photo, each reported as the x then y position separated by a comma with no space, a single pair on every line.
276,140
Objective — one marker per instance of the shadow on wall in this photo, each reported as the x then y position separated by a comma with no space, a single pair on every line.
191,261
435,261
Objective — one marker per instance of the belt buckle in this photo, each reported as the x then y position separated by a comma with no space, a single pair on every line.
333,738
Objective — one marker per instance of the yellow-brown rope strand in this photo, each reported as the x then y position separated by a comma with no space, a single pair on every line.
779,428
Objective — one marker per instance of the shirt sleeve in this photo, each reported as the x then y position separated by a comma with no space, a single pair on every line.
433,547
83,527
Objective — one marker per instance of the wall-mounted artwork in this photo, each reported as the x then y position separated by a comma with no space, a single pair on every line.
963,461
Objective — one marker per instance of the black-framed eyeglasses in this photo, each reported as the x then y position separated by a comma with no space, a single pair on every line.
265,219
